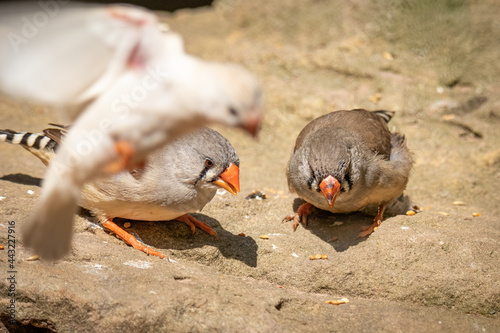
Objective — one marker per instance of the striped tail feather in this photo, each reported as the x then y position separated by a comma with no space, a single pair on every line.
38,144
386,115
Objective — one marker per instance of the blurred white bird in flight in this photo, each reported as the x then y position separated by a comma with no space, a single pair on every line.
129,88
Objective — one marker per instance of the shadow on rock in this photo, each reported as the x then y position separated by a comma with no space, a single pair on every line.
339,230
23,179
176,235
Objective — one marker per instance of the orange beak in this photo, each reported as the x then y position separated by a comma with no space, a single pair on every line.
252,125
330,188
230,179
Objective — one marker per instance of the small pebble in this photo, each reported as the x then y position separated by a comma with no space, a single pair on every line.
410,213
264,236
476,214
221,191
242,234
258,195
126,224
30,192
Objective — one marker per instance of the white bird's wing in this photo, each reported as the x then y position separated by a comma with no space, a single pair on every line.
67,55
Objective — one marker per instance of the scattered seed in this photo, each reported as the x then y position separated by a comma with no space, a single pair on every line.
126,224
410,213
33,258
458,203
375,98
1,247
476,214
242,234
427,208
318,256
443,213
333,239
388,56
264,236
337,302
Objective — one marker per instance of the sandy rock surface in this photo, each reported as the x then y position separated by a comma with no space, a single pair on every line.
436,65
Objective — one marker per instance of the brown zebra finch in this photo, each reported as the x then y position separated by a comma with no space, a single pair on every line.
347,161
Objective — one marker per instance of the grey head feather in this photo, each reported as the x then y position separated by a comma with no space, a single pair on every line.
178,175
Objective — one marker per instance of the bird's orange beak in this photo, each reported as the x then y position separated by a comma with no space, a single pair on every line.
230,179
330,187
252,125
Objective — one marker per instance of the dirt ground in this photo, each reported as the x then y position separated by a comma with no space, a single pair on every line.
433,62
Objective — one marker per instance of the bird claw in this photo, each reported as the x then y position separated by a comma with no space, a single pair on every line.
301,216
367,230
131,240
193,223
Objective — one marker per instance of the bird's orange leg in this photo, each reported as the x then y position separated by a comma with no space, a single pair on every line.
125,153
301,216
193,223
129,239
376,222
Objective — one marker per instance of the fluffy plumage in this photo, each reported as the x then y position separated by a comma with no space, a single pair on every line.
346,161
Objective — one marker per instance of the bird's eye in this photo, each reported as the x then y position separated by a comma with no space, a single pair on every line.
233,111
209,163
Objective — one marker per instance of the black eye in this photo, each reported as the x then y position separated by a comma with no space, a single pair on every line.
233,111
209,163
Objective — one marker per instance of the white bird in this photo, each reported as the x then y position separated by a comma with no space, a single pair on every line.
130,88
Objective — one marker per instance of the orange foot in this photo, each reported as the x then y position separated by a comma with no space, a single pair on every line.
130,240
376,223
301,216
125,153
193,223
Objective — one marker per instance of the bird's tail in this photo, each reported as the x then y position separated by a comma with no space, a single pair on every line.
40,145
386,115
